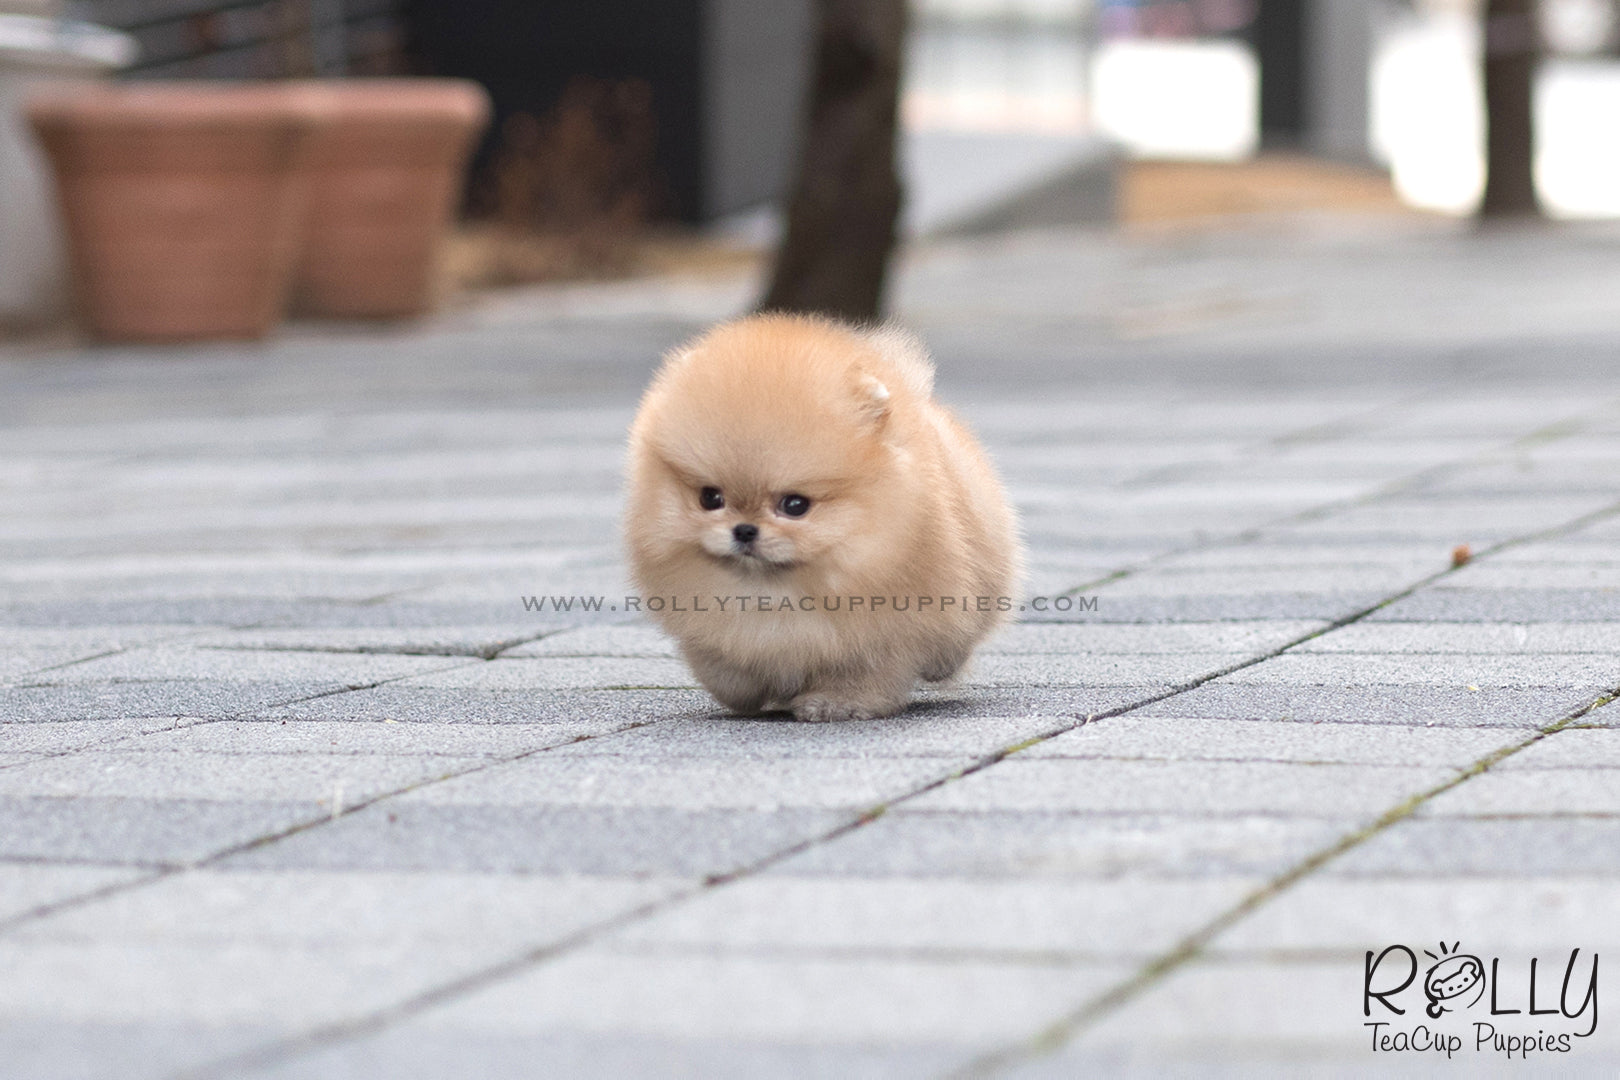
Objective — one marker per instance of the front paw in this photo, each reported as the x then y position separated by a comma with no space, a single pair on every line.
815,709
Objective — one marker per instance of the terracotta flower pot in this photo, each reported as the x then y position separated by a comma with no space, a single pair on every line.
181,202
385,177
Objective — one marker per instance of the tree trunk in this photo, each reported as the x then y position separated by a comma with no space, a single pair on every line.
834,258
1511,51
1278,37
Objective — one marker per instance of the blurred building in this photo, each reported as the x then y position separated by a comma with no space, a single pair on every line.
233,39
726,77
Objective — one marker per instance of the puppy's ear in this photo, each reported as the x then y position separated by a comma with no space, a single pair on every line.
872,399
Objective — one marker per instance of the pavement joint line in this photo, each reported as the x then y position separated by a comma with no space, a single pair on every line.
1189,815
543,635
99,864
377,599
1563,429
958,954
98,744
379,1019
354,689
1343,427
1252,533
872,815
201,720
487,652
1565,815
1272,446
1060,1033
13,681
1548,433
325,817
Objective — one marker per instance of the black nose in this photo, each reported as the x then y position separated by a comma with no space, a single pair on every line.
745,534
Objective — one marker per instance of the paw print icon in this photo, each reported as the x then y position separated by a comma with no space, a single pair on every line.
1453,978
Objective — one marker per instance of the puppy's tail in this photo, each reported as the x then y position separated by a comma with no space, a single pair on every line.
907,355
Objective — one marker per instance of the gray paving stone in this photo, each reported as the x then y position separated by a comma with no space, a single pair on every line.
1179,739
688,783
1032,919
607,710
1506,915
1294,1014
27,886
186,582
25,651
258,738
1532,791
300,909
1541,670
1065,702
1056,577
1524,574
1572,748
857,1000
1334,581
635,641
1474,639
1242,607
1186,787
564,673
234,984
294,514
1225,1062
1505,605
215,611
1488,847
1268,554
1585,547
1002,844
1053,670
332,505
1237,638
191,698
63,736
36,1047
421,1052
1453,521
919,732
446,640
1408,706
1607,716
128,831
1607,530
331,780
549,840
1284,1018
180,663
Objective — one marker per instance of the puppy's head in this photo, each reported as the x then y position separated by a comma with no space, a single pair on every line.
767,447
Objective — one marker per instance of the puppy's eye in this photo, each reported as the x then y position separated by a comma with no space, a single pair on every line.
794,505
711,499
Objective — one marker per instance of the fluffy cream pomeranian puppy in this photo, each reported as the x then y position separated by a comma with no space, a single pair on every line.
814,530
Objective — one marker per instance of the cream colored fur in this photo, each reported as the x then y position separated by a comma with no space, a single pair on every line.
903,505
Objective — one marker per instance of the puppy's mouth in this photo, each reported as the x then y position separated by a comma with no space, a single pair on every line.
755,557
748,557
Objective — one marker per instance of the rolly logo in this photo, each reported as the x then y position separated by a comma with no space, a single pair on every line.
1456,980
1512,1010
